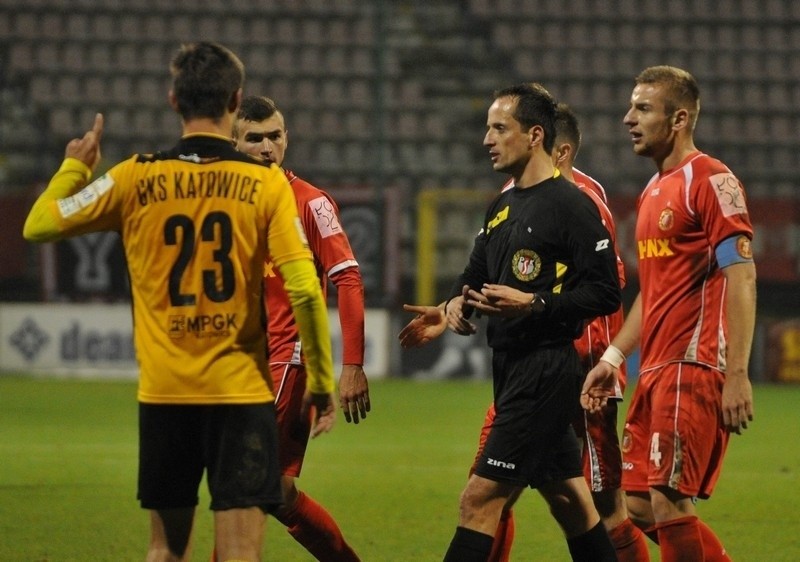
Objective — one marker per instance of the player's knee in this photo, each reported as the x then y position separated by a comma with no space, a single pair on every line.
560,507
470,501
477,500
640,510
668,504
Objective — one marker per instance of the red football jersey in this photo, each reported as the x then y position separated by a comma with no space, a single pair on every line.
319,216
683,214
588,182
594,340
596,193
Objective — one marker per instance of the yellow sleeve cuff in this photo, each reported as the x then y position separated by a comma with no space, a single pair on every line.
303,287
75,165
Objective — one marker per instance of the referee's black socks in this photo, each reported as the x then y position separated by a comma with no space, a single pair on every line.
469,546
592,546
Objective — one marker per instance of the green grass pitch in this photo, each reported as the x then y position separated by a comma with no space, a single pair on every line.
68,452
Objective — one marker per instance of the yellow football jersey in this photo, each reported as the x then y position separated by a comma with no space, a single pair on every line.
197,223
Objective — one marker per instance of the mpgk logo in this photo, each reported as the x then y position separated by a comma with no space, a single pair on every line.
202,326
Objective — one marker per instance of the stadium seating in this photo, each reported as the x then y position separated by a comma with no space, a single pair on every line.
415,77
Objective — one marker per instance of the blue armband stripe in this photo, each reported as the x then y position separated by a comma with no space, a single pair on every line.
735,249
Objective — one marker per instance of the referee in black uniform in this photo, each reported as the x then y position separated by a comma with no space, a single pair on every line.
542,264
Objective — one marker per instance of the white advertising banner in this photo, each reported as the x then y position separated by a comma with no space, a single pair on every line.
96,340
67,339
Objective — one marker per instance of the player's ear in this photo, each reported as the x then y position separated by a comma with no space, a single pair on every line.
235,101
537,135
563,152
173,101
680,118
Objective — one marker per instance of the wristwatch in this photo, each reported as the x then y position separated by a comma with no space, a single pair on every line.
537,304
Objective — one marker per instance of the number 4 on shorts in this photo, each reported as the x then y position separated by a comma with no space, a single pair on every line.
655,454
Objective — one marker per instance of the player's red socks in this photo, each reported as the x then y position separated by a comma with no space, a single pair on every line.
503,538
651,533
680,540
315,529
629,542
712,547
688,539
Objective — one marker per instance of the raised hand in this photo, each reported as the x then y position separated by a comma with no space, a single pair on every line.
87,149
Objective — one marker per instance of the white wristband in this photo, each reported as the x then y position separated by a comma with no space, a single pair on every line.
613,356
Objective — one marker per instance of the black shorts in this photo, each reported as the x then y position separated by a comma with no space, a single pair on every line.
531,441
236,443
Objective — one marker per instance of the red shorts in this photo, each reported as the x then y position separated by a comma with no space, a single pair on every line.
602,460
673,434
289,384
602,463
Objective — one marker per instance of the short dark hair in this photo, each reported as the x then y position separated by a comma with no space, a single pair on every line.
205,79
535,106
681,90
256,108
567,128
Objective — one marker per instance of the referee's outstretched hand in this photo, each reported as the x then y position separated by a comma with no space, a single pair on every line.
428,324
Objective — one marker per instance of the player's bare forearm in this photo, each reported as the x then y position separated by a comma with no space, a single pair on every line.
354,393
737,392
627,340
601,381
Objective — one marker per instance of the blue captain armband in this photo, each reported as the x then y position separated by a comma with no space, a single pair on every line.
735,249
